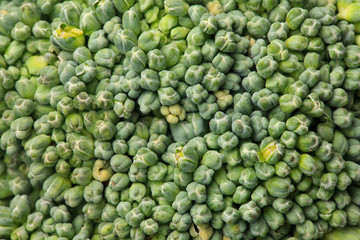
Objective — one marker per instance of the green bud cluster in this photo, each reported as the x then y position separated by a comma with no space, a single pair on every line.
179,119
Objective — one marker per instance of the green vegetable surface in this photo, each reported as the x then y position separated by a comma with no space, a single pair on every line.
179,119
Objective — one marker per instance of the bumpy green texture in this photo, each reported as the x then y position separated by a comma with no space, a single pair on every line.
179,119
